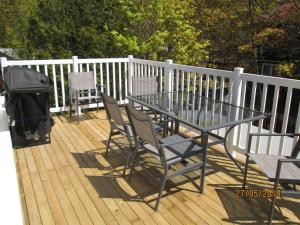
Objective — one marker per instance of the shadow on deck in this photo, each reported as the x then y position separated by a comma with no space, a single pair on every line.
71,182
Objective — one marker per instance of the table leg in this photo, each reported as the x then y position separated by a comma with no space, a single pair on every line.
176,126
227,151
204,141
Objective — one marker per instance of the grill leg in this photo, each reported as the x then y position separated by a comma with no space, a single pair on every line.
70,109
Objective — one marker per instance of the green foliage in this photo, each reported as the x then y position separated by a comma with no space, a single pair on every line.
220,33
157,30
285,68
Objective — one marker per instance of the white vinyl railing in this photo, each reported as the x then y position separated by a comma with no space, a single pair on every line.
235,87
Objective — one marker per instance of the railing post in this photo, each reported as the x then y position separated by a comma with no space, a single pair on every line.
168,85
237,86
236,100
130,73
75,63
75,69
3,61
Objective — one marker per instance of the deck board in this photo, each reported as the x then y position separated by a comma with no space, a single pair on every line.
71,182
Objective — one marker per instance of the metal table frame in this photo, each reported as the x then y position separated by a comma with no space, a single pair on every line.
205,132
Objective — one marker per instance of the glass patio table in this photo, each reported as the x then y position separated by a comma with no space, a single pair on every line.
201,113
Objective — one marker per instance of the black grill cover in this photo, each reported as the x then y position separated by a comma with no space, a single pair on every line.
20,79
28,102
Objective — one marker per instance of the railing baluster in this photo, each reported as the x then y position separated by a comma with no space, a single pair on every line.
120,83
46,70
38,68
62,80
230,91
95,77
101,76
297,127
207,86
200,84
252,104
161,78
107,79
244,85
214,87
55,85
126,82
114,80
182,80
194,83
274,110
285,118
222,89
188,81
177,81
262,109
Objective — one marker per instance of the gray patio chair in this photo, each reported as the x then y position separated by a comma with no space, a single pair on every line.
169,150
282,170
118,125
83,90
148,86
144,86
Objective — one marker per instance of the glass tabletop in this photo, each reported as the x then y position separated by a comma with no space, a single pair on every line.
197,111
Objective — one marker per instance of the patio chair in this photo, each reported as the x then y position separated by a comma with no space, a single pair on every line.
83,90
282,170
169,150
118,125
148,86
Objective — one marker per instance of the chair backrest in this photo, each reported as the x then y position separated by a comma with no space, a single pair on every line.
82,80
296,150
112,109
144,85
142,128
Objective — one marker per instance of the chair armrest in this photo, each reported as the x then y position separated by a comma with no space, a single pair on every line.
280,134
288,160
267,135
279,164
176,142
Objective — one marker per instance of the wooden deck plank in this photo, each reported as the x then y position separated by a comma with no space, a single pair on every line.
31,204
99,203
71,182
128,211
110,203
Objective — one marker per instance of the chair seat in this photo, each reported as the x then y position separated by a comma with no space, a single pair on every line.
176,152
156,127
290,172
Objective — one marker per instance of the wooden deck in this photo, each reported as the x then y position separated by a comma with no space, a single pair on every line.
71,182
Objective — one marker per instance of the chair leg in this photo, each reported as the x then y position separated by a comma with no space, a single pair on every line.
246,171
202,179
108,142
97,106
127,162
160,192
132,164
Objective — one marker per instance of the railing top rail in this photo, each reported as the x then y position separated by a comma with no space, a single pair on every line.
38,62
283,82
149,62
203,70
103,60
